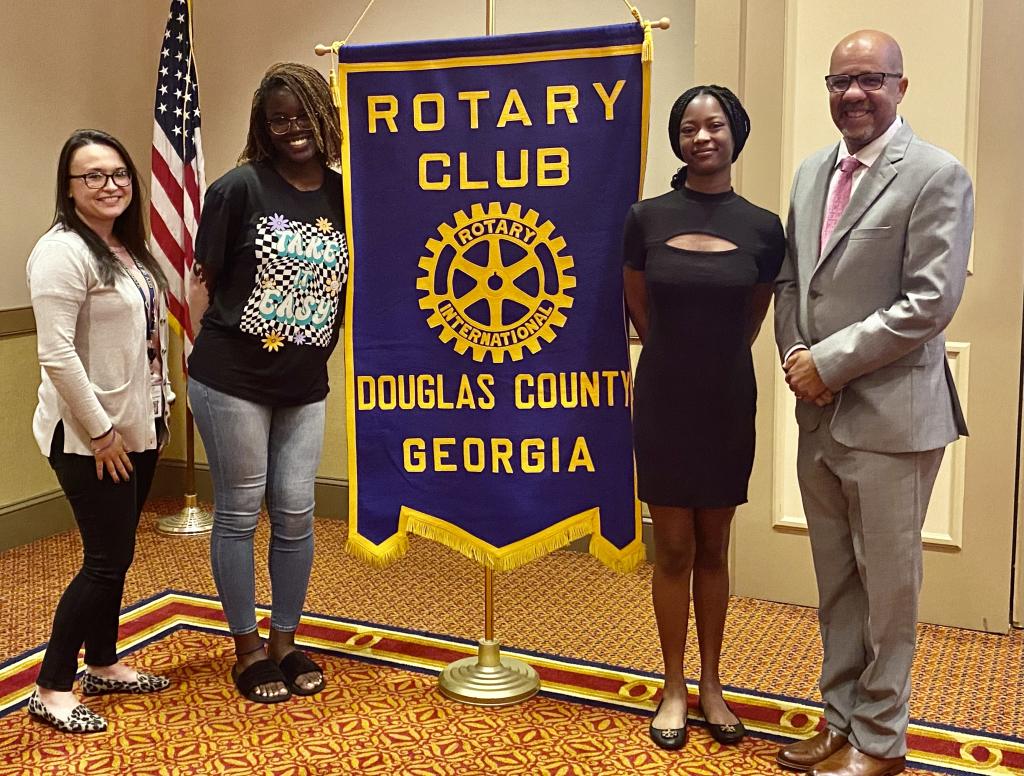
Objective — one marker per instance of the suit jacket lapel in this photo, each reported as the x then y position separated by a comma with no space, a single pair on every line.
871,187
816,206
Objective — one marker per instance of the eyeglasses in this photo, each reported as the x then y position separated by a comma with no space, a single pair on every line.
868,82
97,180
280,125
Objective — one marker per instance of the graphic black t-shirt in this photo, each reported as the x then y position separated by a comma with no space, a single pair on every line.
276,259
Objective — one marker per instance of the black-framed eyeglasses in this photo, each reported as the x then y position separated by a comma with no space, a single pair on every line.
868,82
280,125
97,180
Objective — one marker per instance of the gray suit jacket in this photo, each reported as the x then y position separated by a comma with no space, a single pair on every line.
873,308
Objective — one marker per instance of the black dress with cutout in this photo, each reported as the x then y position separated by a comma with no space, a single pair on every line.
694,391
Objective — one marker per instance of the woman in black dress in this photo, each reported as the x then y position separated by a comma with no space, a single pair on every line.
700,262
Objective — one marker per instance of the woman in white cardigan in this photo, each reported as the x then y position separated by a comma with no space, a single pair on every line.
99,299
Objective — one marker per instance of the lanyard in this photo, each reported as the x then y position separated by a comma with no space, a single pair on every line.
147,306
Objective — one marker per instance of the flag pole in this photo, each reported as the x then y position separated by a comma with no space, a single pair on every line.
191,519
489,679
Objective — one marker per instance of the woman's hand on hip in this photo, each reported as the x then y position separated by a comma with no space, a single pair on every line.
111,456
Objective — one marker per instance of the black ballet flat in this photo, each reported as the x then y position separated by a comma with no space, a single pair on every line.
727,735
667,738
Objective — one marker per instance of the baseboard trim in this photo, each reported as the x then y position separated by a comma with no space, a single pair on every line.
49,513
331,498
17,321
35,518
169,482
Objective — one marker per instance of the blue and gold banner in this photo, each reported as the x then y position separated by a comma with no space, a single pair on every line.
487,374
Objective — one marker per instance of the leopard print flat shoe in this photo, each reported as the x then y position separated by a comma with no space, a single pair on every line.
97,685
80,720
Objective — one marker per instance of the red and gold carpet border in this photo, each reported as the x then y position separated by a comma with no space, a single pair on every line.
934,747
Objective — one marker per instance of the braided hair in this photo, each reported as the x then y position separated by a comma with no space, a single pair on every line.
311,90
739,122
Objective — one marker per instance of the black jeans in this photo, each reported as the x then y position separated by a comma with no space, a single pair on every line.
107,514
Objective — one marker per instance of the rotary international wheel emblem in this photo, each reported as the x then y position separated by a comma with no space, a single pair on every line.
496,282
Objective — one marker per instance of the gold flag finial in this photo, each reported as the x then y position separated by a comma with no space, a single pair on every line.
647,50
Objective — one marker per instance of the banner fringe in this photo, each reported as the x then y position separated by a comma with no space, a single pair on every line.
504,561
623,561
396,548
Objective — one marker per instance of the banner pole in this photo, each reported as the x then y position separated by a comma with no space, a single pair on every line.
489,679
489,604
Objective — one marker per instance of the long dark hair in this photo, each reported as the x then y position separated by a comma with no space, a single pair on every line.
313,93
129,227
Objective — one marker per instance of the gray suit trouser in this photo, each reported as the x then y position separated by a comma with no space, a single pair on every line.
864,513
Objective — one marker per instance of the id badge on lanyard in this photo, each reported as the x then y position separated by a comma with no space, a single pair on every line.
156,396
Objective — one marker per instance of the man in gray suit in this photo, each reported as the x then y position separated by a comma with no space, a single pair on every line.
879,235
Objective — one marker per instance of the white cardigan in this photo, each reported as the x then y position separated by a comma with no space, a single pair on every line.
92,349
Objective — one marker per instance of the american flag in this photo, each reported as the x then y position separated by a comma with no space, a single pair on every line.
178,183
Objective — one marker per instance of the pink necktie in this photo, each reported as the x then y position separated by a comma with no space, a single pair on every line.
840,197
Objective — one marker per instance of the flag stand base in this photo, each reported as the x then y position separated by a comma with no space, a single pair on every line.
193,519
489,679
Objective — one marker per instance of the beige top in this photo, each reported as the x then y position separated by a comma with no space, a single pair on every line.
92,349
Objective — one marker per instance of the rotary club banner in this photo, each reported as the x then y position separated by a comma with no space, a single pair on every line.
488,384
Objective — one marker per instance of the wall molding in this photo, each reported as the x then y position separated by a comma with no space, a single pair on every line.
48,514
169,482
17,321
28,520
943,526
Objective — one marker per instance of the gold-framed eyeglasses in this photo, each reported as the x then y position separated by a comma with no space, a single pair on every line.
94,179
868,82
280,125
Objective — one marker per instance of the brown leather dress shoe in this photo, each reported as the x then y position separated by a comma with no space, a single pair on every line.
804,755
853,762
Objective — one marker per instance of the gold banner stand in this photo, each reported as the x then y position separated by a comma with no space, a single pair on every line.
489,679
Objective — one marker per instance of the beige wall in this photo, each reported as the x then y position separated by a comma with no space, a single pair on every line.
1000,188
24,473
51,87
938,75
51,91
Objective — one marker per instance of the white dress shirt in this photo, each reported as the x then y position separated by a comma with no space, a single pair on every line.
867,156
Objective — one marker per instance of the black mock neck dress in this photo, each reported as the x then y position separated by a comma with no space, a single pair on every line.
694,390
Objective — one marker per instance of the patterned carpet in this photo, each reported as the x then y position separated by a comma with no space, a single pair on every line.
380,717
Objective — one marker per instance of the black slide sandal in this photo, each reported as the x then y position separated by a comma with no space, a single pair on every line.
295,664
261,672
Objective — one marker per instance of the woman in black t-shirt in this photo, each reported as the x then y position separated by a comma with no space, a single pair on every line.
700,265
269,278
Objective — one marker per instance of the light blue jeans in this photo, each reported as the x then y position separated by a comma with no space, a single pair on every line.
256,450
